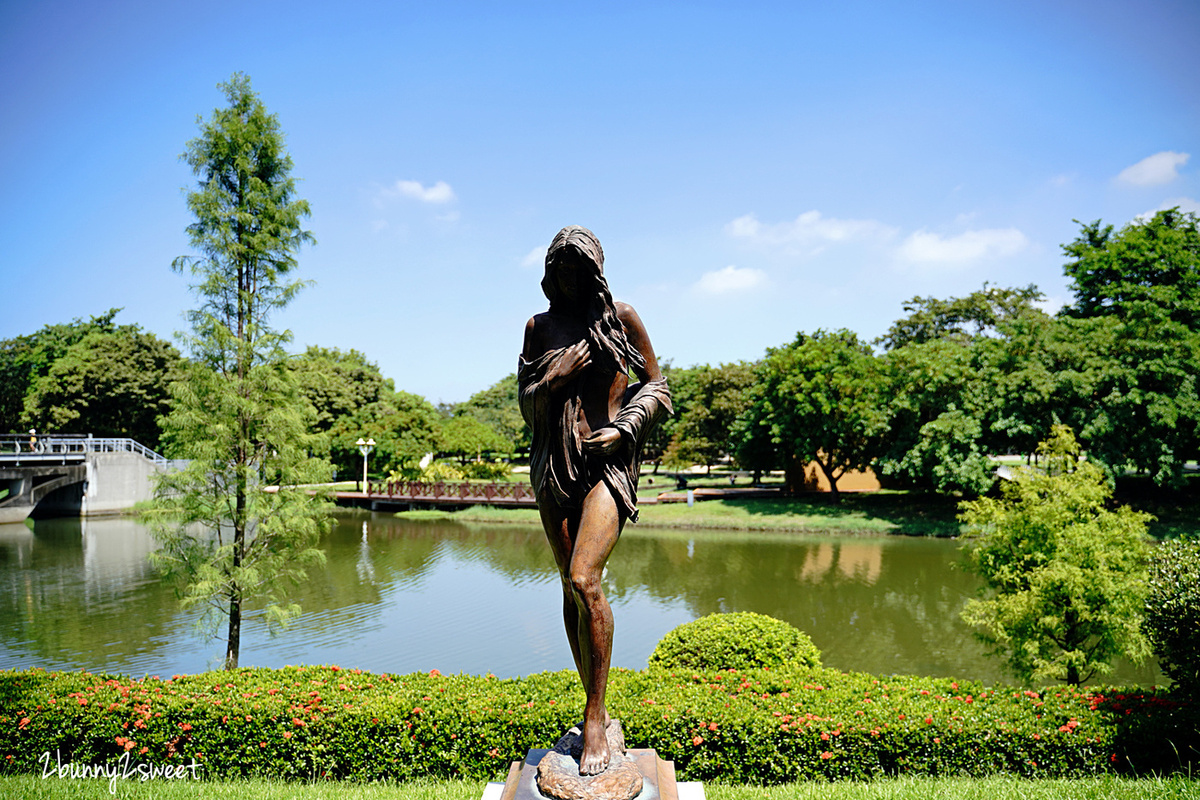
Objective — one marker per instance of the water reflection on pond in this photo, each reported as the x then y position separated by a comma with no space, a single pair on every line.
402,596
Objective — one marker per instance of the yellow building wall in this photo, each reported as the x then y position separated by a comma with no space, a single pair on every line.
851,481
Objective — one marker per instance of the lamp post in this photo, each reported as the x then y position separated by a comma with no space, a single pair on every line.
365,447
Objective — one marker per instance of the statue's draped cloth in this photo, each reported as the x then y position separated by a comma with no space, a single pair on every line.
558,463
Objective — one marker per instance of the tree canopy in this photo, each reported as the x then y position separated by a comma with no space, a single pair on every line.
24,359
818,399
980,313
111,383
497,408
708,402
1144,279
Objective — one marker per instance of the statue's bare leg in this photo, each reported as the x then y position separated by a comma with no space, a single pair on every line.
599,528
560,525
582,542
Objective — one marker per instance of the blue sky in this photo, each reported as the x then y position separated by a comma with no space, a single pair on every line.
752,169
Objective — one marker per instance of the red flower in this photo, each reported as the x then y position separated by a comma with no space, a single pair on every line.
433,673
287,734
697,741
826,755
24,721
929,720
299,723
187,726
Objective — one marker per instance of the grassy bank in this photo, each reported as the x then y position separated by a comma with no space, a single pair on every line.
24,787
872,513
877,513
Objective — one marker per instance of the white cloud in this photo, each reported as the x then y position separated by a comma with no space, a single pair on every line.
923,247
534,258
810,231
731,279
1186,204
436,194
1154,170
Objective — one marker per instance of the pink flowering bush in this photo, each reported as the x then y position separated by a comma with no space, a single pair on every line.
759,726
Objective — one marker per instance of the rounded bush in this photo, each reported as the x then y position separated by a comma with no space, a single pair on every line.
1172,615
741,640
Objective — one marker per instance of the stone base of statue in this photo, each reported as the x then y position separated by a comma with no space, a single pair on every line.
554,774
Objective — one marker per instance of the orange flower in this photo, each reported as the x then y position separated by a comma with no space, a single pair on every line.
697,741
299,723
826,755
24,721
287,734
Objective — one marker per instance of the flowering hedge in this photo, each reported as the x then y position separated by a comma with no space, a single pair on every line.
759,726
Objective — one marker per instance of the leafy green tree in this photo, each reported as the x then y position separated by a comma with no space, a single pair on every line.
818,399
1172,614
404,426
351,400
961,318
1148,269
497,408
713,399
936,401
467,437
1064,575
338,383
109,383
24,359
1145,277
227,534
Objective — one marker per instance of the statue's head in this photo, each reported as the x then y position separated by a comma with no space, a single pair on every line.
574,268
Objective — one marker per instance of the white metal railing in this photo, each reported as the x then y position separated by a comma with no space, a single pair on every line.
65,444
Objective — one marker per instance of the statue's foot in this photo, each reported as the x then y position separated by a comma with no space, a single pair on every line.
594,758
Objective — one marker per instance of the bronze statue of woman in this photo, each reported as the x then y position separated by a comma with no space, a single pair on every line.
589,424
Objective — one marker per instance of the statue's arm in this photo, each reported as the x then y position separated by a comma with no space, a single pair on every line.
651,400
635,334
553,368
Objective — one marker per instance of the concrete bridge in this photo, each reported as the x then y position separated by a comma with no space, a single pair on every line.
73,475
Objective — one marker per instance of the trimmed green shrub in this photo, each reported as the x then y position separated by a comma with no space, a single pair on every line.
1172,614
758,726
486,470
742,640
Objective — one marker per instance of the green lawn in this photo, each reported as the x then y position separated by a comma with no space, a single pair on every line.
875,513
29,787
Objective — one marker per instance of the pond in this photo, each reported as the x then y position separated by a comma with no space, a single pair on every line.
402,596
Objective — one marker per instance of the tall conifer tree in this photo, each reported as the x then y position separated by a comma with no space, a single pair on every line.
234,526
